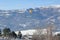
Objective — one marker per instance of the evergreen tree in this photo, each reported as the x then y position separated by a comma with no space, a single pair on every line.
13,34
6,31
19,35
58,34
0,32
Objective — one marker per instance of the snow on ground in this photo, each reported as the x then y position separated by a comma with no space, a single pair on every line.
24,32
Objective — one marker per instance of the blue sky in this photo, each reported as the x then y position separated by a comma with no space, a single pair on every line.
24,4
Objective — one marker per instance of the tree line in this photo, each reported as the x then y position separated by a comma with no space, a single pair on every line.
8,33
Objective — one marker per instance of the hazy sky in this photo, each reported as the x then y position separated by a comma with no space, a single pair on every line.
23,4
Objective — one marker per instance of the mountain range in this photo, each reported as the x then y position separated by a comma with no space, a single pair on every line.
30,18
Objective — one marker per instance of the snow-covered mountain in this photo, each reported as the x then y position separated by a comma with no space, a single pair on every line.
30,18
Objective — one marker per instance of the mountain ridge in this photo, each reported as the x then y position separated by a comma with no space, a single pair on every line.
38,17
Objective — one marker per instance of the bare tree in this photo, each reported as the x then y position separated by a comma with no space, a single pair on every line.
50,29
38,35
